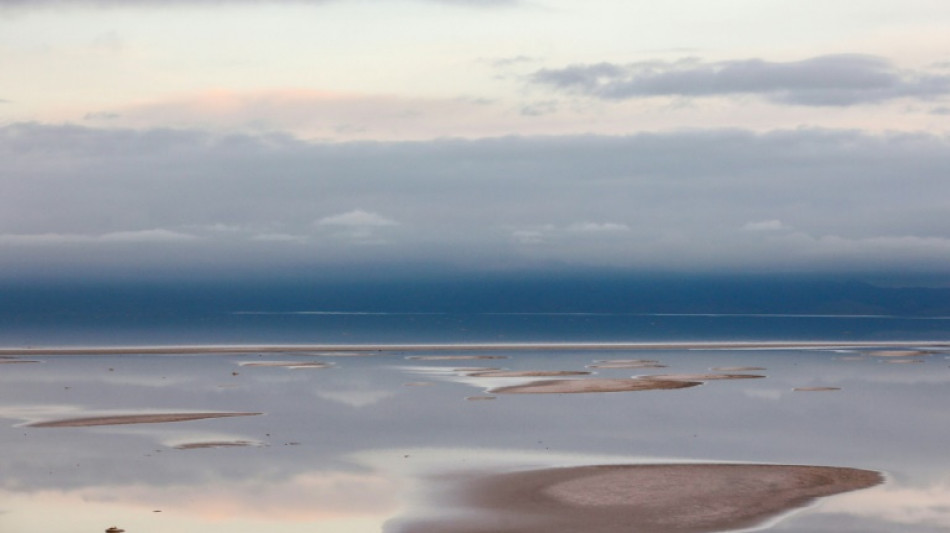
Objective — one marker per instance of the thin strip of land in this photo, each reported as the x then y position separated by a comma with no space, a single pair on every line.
231,349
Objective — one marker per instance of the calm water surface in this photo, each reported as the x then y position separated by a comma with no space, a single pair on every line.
356,445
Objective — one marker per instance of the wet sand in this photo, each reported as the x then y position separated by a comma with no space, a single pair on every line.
286,364
454,357
526,373
156,418
699,377
673,498
627,363
575,386
215,444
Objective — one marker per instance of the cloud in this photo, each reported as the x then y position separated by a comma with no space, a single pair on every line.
804,199
765,225
829,80
152,236
357,218
357,226
595,227
315,114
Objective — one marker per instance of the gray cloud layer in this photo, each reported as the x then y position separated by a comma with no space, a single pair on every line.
831,80
82,198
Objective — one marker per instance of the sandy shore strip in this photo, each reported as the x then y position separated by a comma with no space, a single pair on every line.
662,498
526,373
699,377
578,386
231,349
286,364
143,418
454,357
627,363
216,444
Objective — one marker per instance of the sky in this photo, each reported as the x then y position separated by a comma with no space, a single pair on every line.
162,136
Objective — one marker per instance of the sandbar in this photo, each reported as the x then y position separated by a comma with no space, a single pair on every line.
575,386
526,373
737,368
816,389
286,364
215,444
699,377
454,357
627,363
897,353
661,498
150,418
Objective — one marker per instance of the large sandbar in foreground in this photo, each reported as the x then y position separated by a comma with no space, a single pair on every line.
671,498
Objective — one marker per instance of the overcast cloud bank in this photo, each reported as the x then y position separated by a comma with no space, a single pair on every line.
830,80
706,199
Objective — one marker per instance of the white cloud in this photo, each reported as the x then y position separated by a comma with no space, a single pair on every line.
357,218
597,227
765,225
143,236
279,237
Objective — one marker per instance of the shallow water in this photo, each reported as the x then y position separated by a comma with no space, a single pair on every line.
360,445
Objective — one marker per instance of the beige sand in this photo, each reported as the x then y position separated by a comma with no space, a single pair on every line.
152,418
287,364
454,357
526,373
903,361
699,377
676,498
815,389
215,444
573,386
897,353
479,398
627,364
737,368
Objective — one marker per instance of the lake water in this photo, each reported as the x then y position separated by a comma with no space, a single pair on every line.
362,443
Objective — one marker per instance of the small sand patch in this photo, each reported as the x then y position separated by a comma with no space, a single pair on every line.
575,386
627,364
897,353
417,384
737,368
527,373
676,498
454,357
115,420
815,389
903,361
215,444
16,361
699,377
479,398
286,364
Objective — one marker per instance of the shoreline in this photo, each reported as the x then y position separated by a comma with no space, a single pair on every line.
516,346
